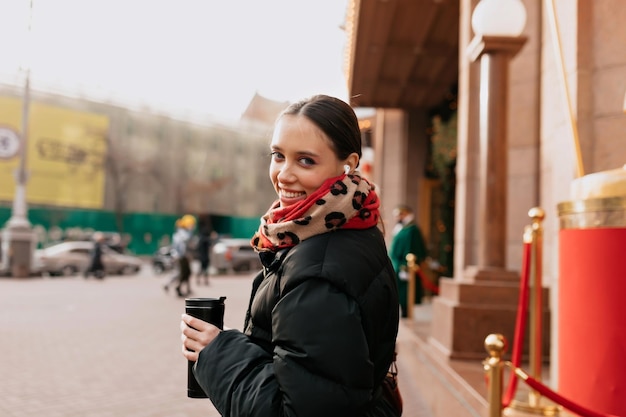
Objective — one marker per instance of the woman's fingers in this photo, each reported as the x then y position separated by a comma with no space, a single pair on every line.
192,344
194,322
190,355
190,347
197,329
195,335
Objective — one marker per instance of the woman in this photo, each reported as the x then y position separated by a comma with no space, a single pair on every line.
321,325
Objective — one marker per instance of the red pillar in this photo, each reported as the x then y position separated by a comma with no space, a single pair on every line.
592,318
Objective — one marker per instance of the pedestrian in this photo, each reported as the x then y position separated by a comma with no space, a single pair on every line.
204,248
320,330
96,266
181,240
173,254
407,238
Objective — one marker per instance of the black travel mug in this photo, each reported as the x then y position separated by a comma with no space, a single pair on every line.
210,310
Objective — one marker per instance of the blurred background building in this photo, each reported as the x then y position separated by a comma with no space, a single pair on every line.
99,166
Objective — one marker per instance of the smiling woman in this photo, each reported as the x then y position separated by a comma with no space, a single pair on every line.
199,56
327,294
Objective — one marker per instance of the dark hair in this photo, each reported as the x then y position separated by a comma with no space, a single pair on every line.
335,118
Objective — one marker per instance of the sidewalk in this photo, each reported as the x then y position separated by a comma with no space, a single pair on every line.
448,387
75,347
455,387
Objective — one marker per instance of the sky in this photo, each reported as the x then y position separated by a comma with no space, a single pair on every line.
197,56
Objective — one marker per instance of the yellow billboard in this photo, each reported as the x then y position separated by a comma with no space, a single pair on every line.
65,156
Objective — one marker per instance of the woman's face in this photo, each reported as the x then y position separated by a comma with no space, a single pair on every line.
302,159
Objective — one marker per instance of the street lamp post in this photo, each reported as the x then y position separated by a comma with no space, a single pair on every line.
497,25
19,217
18,237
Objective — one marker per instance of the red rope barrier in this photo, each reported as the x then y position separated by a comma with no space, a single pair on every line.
427,282
520,323
516,355
559,399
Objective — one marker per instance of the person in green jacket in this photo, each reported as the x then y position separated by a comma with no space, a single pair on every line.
407,238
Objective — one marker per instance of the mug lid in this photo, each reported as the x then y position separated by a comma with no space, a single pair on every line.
199,302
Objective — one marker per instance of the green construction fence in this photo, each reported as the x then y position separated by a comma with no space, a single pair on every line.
143,232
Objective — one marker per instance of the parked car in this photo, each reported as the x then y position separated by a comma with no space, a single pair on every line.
71,258
234,255
163,260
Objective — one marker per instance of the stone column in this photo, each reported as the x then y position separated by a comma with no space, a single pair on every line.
484,299
494,54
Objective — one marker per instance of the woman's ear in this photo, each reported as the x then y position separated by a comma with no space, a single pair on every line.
352,161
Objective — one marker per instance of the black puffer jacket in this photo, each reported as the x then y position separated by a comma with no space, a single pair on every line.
319,336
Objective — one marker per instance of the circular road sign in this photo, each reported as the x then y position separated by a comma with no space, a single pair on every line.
9,142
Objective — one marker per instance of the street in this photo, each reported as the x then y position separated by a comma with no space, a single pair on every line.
76,347
72,347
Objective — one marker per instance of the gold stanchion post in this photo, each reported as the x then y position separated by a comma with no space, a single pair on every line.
536,301
411,263
535,316
495,345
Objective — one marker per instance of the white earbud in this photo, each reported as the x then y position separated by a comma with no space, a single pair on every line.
346,169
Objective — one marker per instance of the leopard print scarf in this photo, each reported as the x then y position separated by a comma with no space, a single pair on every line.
347,201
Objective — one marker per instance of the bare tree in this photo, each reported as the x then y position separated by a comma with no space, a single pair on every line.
123,168
196,195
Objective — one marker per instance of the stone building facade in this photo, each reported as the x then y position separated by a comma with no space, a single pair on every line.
542,149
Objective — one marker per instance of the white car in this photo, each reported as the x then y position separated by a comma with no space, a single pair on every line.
230,255
71,258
